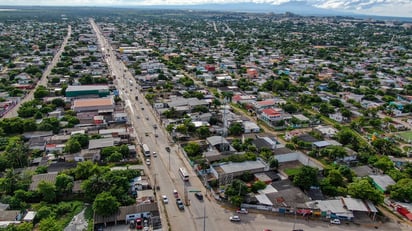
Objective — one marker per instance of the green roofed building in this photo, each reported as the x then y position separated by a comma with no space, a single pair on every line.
85,91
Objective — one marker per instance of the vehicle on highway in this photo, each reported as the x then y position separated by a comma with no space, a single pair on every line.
234,218
199,196
155,126
156,135
165,199
167,149
138,117
154,154
242,211
335,221
148,162
175,193
142,107
146,150
267,230
147,118
183,173
179,204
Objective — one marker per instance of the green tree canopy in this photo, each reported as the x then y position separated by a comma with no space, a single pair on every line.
105,204
306,177
363,189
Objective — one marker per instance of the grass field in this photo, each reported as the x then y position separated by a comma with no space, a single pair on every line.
407,136
291,171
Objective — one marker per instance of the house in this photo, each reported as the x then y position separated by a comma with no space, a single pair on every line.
47,177
271,115
102,143
227,171
268,103
381,182
250,127
220,143
326,131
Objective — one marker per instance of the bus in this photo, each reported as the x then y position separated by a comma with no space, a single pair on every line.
183,173
146,150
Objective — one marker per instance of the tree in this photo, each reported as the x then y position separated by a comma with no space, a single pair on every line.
258,185
193,149
306,177
86,169
47,190
72,146
402,190
289,108
16,153
64,183
384,163
49,224
105,204
235,129
41,92
363,189
203,132
273,163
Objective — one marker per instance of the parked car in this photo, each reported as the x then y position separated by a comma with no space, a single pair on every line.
148,161
242,211
335,221
234,218
175,193
179,204
199,196
165,199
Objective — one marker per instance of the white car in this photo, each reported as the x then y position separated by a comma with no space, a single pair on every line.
154,154
335,221
234,218
165,200
148,161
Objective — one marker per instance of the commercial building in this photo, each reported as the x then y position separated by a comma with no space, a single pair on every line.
85,91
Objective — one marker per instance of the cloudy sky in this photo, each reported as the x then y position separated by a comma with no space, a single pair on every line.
373,7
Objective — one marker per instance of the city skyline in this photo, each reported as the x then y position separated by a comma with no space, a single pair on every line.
401,8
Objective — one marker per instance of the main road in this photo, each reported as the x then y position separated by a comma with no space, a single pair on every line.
43,80
163,171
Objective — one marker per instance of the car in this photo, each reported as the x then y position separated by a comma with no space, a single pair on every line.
335,221
138,117
167,149
180,204
147,118
267,230
156,135
154,154
165,199
175,193
234,218
199,196
147,161
155,126
146,134
242,211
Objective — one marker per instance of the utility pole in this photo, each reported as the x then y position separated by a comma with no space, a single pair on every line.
204,217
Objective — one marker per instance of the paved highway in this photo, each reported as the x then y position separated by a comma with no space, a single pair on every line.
164,169
43,80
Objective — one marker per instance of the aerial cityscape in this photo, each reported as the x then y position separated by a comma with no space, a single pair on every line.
178,118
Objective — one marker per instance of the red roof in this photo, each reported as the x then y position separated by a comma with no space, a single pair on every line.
271,112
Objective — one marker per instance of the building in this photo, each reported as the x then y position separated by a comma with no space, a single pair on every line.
382,182
227,171
85,91
89,105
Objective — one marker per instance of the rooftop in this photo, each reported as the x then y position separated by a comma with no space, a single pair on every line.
93,102
87,88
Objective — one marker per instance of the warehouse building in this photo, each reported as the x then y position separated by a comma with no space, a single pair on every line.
87,91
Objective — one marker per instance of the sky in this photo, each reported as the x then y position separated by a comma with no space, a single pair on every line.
402,8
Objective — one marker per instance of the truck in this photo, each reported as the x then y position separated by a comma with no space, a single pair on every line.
146,150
